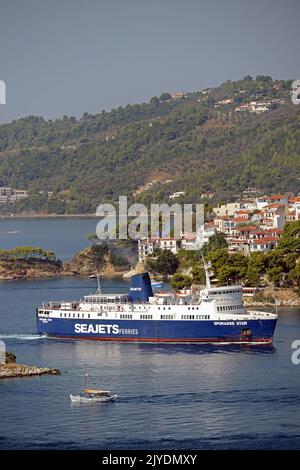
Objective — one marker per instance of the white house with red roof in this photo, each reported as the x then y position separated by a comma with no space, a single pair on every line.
274,215
263,244
146,246
279,199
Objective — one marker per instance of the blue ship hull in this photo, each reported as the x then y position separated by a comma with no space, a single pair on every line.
169,331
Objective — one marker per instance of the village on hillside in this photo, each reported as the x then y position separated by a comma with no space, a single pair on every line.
252,224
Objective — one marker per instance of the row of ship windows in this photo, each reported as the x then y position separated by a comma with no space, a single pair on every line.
225,292
193,317
229,307
118,307
128,316
74,315
169,308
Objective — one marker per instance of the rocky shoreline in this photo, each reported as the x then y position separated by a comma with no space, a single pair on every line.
87,264
280,296
19,370
29,269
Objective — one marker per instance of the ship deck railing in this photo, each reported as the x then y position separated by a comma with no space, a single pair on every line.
58,305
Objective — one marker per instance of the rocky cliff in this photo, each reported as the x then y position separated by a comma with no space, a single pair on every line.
29,269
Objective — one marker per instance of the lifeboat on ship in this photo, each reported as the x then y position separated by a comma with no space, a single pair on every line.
163,294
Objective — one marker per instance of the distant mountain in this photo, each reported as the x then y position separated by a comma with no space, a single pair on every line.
193,143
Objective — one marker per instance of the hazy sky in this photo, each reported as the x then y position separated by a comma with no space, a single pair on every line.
70,56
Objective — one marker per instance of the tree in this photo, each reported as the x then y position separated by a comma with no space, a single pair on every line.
180,281
117,151
198,273
253,276
290,239
166,263
27,253
264,78
275,275
227,274
215,242
165,97
294,275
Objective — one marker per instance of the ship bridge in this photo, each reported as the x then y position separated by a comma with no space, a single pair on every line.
225,298
106,298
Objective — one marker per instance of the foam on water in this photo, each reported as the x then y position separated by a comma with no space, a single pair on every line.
21,337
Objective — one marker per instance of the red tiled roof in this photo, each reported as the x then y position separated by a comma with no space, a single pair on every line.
189,236
278,196
155,239
294,199
274,205
223,217
274,230
263,241
260,232
249,228
238,219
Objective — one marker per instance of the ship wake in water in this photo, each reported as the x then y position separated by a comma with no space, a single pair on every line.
21,337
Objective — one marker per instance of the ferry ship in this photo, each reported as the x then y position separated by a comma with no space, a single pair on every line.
211,315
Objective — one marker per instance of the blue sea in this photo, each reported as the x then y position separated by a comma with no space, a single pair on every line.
170,397
64,235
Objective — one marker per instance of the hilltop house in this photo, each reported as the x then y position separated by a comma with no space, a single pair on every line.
147,246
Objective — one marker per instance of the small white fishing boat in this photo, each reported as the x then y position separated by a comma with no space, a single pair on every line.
92,395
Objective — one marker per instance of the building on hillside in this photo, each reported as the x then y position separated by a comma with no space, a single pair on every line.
223,102
279,199
10,195
252,191
262,202
3,199
224,224
177,194
263,244
249,239
248,204
259,106
197,240
178,94
207,195
257,216
146,246
4,190
274,216
292,215
227,209
243,214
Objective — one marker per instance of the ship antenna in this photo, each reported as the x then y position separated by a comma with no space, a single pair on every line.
85,375
99,289
206,273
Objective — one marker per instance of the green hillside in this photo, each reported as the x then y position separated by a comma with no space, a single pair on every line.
150,150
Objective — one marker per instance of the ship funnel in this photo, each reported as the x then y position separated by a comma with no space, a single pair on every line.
140,288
